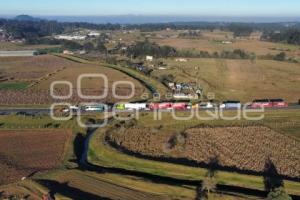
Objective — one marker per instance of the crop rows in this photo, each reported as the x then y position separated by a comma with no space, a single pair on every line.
43,97
25,152
242,148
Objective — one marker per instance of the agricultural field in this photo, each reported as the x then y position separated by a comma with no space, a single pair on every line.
236,148
10,46
65,183
30,152
153,146
238,79
212,42
28,80
30,69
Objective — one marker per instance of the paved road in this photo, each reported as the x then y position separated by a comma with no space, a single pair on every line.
35,111
24,111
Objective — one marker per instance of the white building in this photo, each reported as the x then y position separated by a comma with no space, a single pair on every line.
149,58
226,42
67,52
181,60
94,34
70,37
185,96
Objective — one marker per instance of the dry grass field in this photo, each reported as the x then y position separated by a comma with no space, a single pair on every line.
9,46
239,79
212,42
26,152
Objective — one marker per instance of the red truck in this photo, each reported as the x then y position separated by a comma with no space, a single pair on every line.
279,103
269,103
168,106
160,106
180,106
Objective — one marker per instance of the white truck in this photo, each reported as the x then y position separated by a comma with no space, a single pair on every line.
135,106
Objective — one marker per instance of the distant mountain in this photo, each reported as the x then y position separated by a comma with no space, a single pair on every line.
26,18
142,19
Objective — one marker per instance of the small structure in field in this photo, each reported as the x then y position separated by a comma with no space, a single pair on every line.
181,60
149,58
185,96
93,34
162,68
67,52
226,42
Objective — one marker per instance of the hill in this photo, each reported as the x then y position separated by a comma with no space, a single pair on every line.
26,18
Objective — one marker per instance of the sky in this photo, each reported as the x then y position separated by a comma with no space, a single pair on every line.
264,8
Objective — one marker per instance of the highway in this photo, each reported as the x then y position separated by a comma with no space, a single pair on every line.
36,111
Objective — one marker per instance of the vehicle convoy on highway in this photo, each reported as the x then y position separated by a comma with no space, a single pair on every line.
178,106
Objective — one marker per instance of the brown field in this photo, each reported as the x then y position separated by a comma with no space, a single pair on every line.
30,68
41,71
242,148
26,152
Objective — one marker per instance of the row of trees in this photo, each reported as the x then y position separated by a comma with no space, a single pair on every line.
290,36
190,34
141,49
273,182
28,28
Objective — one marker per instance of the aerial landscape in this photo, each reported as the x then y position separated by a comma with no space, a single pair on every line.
141,100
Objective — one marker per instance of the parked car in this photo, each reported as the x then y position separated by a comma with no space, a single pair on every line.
206,105
94,108
279,103
72,108
231,105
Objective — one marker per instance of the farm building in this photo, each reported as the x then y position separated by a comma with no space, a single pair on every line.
70,37
67,52
181,60
17,53
185,96
149,58
94,34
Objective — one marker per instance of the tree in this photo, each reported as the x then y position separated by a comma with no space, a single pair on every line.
209,182
240,30
88,46
280,57
272,178
278,194
71,45
101,47
141,49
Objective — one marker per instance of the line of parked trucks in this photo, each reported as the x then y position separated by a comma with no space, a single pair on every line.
181,106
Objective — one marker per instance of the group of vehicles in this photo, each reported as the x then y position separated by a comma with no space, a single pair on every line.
180,106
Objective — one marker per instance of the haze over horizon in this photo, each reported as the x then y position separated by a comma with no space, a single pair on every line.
135,11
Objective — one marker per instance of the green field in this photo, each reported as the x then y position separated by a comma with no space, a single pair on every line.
13,86
102,154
